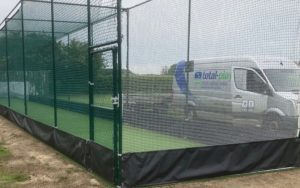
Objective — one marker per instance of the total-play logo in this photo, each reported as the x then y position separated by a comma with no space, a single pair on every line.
213,75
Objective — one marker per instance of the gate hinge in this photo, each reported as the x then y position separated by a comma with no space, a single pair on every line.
115,100
91,83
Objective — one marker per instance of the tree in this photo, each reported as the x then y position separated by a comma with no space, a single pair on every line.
71,61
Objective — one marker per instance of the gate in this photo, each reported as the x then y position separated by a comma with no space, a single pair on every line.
105,101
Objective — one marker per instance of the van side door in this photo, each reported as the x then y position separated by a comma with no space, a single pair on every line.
249,97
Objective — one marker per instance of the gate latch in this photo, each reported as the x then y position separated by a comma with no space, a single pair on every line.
115,100
91,83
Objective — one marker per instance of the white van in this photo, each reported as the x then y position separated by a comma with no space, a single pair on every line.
263,92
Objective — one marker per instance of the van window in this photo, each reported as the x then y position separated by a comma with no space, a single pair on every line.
248,80
284,80
240,79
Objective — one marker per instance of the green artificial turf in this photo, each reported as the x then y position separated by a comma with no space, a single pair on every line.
99,100
134,139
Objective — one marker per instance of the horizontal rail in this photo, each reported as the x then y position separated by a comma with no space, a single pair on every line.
72,4
41,20
31,31
94,23
101,107
15,7
104,44
105,50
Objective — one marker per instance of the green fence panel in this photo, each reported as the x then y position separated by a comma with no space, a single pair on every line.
3,67
15,63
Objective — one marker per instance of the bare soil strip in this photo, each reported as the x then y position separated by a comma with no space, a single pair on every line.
27,162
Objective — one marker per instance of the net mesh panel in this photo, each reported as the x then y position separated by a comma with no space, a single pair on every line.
15,59
38,61
104,30
103,76
266,31
157,40
3,68
71,64
72,68
241,79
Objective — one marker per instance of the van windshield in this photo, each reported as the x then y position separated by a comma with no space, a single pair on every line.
284,80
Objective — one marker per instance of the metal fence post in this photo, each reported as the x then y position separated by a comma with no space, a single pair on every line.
54,64
189,31
91,76
188,54
120,131
68,40
23,56
127,55
116,119
7,64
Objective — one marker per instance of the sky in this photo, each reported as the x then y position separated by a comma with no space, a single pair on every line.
158,30
5,7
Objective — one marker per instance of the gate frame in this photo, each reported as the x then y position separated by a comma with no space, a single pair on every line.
116,48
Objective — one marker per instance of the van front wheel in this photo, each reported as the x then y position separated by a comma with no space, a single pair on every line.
272,121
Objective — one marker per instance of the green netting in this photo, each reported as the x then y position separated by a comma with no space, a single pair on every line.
3,68
56,62
194,73
103,79
209,72
15,64
48,52
39,60
71,62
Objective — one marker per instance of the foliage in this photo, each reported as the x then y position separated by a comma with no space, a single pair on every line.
172,69
148,83
169,70
71,61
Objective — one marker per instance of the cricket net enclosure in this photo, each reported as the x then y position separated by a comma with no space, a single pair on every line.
147,92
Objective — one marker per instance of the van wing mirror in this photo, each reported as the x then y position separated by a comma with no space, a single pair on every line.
190,66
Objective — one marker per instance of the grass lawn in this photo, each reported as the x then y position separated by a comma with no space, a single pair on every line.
134,139
6,177
3,152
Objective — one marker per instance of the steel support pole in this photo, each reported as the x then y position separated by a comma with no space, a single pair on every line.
116,118
127,56
188,52
23,57
7,63
91,76
189,31
120,131
54,64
